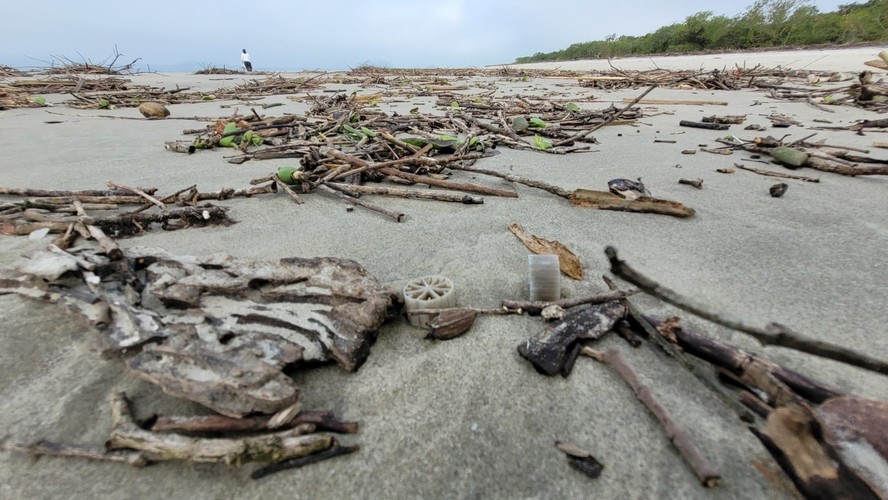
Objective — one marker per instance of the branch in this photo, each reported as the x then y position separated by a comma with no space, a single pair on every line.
774,334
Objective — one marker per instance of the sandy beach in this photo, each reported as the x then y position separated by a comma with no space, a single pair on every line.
469,418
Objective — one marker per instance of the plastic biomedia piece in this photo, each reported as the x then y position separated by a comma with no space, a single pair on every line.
428,292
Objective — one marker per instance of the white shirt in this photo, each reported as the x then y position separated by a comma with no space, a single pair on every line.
245,57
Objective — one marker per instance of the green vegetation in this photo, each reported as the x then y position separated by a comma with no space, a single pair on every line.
767,23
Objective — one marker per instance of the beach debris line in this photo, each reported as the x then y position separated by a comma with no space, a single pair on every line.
71,212
802,153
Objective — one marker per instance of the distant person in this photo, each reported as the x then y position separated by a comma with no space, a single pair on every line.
245,58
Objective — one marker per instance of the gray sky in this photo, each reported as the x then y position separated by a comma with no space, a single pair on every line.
336,34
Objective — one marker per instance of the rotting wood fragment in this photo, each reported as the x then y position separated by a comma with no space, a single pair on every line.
604,200
789,437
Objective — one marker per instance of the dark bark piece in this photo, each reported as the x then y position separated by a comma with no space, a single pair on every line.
589,466
549,351
706,125
580,459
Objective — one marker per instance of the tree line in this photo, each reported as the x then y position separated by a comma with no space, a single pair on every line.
766,23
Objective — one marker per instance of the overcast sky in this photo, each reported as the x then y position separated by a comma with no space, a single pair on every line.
334,34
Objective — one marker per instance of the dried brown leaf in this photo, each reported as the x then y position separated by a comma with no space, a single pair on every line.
569,262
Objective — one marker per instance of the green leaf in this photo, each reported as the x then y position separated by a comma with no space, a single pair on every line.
537,122
228,141
103,103
257,140
446,137
208,97
414,111
352,132
39,100
369,133
571,107
541,142
291,175
421,142
454,104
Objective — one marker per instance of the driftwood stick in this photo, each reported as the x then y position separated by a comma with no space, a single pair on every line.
108,245
287,189
476,310
67,200
139,192
324,420
366,204
771,173
774,335
818,163
165,199
228,193
407,193
50,193
457,186
48,448
557,191
293,463
750,370
271,447
677,434
387,168
535,308
704,125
